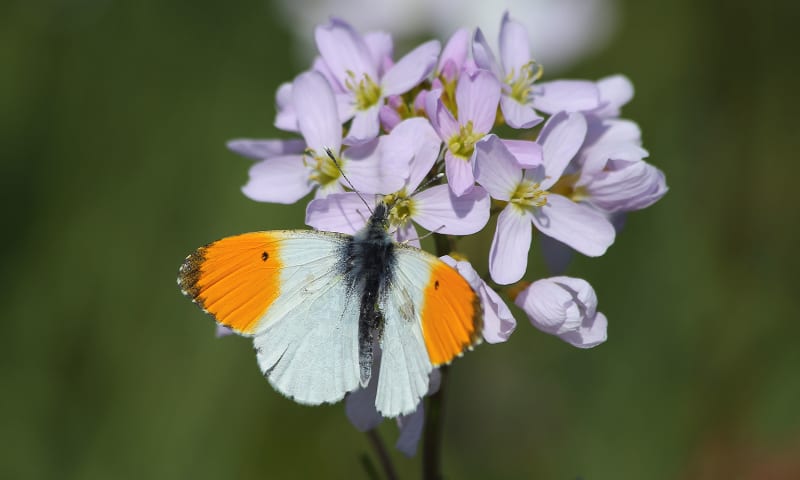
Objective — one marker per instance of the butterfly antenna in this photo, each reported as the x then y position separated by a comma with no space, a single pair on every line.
429,181
349,183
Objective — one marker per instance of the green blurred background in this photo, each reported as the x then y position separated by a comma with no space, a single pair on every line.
113,120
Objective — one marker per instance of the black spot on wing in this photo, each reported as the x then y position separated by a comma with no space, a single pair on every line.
264,256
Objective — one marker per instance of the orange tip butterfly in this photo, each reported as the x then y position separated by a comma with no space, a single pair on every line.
316,302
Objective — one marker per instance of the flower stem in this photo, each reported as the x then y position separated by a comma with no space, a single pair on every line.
432,439
383,455
434,413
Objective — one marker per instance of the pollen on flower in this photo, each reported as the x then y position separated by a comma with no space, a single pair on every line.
566,186
401,208
323,168
367,92
528,194
521,84
463,143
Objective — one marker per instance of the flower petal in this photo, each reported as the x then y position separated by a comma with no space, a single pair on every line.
455,51
338,212
278,179
459,174
261,149
410,430
437,209
222,331
514,50
496,168
615,91
477,97
518,115
561,138
550,307
286,117
407,234
566,95
365,126
577,225
508,256
590,335
635,186
415,144
317,116
528,154
365,166
344,51
557,256
412,69
483,56
441,119
359,405
381,47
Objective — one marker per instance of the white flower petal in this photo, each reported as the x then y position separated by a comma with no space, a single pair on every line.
508,257
412,69
496,169
577,225
514,50
338,212
561,138
438,209
278,180
317,116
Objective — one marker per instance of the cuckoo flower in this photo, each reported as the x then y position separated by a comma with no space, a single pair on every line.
530,200
565,307
360,75
289,177
521,97
477,95
408,153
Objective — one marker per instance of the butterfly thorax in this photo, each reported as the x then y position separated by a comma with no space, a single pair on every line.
368,267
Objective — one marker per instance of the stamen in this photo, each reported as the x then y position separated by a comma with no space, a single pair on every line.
366,91
528,194
463,144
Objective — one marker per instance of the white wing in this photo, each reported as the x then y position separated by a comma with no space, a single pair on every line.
431,315
307,342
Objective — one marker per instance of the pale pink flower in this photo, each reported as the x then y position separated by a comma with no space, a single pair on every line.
567,308
530,200
519,72
409,153
477,96
366,79
287,176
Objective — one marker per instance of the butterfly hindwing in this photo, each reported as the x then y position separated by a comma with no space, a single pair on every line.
431,315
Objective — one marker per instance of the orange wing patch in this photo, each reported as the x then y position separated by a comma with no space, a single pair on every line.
451,314
235,279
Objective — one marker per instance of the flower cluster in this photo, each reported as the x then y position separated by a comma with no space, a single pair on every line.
447,137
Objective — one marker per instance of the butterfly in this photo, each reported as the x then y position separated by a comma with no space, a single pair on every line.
316,304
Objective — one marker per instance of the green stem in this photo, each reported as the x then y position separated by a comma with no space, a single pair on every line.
383,455
434,413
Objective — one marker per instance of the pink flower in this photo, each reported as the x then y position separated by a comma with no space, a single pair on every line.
567,308
521,98
530,200
285,175
364,78
408,153
477,96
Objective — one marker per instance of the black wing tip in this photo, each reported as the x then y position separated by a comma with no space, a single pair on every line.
189,274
